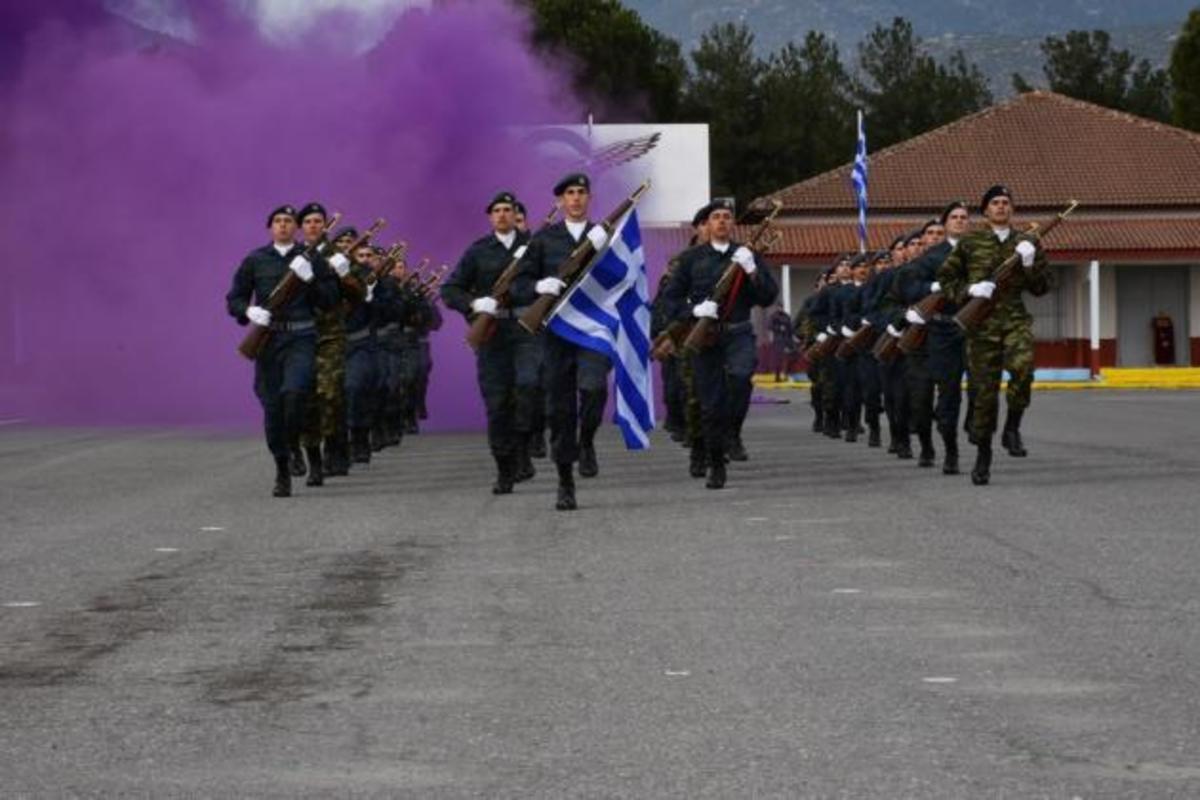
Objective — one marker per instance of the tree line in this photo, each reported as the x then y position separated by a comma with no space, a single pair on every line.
779,118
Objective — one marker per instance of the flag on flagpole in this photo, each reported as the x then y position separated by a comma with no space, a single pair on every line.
859,178
609,311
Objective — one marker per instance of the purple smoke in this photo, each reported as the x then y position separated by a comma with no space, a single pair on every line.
137,171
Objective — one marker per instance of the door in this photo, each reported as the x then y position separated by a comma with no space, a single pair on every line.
1142,294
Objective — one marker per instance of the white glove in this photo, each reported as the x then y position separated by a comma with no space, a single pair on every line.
340,264
866,323
706,309
829,329
597,237
484,305
745,259
912,316
302,267
892,330
519,253
370,293
846,332
259,316
550,286
822,336
935,287
1026,251
982,289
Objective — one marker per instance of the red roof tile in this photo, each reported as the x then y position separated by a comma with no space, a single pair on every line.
1046,147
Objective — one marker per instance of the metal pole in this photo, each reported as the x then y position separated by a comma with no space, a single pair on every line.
1094,315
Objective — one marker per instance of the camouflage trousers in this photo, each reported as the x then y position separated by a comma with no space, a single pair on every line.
999,345
691,401
325,414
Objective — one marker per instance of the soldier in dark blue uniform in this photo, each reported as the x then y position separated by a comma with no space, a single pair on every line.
849,311
885,314
722,372
397,316
507,363
283,372
577,378
823,315
941,361
362,368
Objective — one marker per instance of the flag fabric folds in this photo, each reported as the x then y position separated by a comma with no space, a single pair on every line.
859,178
609,311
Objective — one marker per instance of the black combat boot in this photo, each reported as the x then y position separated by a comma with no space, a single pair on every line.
982,473
410,424
283,478
588,468
379,437
566,488
505,464
735,449
950,442
891,438
396,429
537,445
873,438
698,461
316,472
1010,440
852,431
832,429
928,456
360,440
522,463
299,470
337,459
904,448
716,470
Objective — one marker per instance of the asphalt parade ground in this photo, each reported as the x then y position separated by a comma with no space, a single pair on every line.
835,623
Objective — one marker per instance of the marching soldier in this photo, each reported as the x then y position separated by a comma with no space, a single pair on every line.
576,377
395,366
918,377
283,372
886,315
807,330
507,363
325,415
362,352
847,314
823,315
942,356
1005,339
722,371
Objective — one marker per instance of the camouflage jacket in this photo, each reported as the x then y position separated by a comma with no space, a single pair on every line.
976,259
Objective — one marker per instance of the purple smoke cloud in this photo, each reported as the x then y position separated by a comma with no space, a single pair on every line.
138,170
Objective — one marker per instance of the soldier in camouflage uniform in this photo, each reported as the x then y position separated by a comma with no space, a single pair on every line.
1005,339
806,332
325,414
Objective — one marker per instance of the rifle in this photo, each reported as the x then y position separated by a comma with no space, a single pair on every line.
482,326
887,348
820,350
288,288
702,334
577,265
978,309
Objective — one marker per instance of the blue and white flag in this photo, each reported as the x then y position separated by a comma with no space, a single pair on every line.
859,178
609,312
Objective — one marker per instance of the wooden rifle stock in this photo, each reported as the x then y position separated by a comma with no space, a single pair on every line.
978,309
914,336
577,265
701,334
287,290
862,338
887,348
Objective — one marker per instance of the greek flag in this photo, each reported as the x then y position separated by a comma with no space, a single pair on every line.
609,312
859,178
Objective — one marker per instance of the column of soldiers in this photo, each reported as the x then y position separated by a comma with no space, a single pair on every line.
867,305
343,372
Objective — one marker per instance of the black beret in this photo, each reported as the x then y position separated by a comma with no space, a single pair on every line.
700,217
287,211
859,260
929,225
574,179
899,240
999,190
502,198
913,235
882,255
720,204
950,209
379,251
346,230
519,207
312,208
